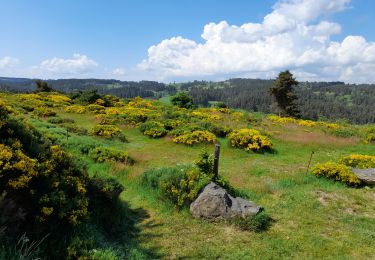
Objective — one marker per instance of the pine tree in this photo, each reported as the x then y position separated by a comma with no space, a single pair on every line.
283,92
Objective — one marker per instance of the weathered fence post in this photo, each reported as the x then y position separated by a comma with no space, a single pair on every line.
308,166
216,161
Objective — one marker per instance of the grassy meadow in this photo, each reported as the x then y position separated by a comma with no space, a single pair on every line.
313,217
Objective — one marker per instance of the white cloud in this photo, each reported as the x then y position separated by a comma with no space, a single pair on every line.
77,65
119,72
8,62
295,35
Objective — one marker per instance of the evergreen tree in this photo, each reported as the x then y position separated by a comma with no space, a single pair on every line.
43,86
182,100
284,94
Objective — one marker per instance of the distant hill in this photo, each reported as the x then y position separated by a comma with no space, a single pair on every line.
327,100
123,89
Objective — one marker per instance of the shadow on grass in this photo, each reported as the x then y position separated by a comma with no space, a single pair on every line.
123,231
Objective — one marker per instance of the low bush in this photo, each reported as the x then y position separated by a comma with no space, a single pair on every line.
179,185
153,129
195,137
60,120
250,140
102,154
107,131
44,112
108,189
75,109
96,109
338,172
359,161
76,129
257,223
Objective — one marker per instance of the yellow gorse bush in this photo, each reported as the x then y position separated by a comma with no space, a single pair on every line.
16,167
56,98
359,161
195,137
108,131
336,171
281,120
96,109
25,97
250,140
184,191
307,123
76,109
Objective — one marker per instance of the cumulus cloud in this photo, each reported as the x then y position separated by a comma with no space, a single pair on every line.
8,62
77,65
119,72
295,35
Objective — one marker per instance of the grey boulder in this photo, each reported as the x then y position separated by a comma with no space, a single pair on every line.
365,175
215,203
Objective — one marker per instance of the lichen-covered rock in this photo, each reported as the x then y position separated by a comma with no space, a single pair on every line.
367,176
215,203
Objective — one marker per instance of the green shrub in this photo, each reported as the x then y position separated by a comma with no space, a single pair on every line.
338,172
182,100
102,154
76,129
109,189
153,129
257,223
205,163
179,185
359,161
59,120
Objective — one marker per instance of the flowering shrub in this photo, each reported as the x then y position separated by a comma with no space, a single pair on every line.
179,185
16,168
250,140
281,120
195,137
100,102
224,110
329,125
102,154
336,171
359,161
170,124
44,112
369,135
96,109
307,123
59,99
75,109
108,131
153,129
139,102
112,111
25,97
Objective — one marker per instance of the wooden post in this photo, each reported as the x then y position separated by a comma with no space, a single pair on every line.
216,161
308,166
67,134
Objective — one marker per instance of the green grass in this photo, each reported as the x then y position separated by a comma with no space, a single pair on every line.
313,218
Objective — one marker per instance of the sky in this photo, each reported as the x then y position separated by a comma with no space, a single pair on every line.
172,40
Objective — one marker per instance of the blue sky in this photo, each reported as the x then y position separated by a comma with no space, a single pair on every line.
110,39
